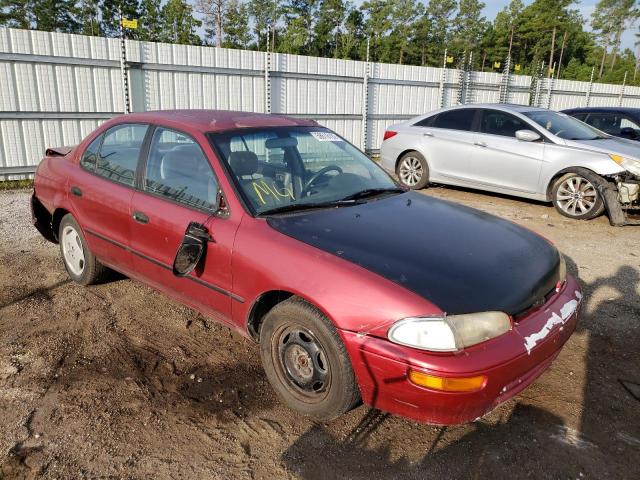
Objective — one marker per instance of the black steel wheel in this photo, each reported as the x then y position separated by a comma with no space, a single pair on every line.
306,362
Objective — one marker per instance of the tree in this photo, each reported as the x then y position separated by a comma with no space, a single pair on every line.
213,11
403,27
55,16
150,24
609,19
329,19
88,15
352,39
111,11
16,13
468,25
438,16
235,25
298,17
265,14
377,26
179,24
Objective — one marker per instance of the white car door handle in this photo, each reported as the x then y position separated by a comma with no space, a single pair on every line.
480,144
428,134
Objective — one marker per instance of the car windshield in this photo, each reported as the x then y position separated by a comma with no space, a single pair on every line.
294,168
564,126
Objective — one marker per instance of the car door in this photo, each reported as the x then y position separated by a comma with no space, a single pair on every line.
177,186
500,159
447,142
102,189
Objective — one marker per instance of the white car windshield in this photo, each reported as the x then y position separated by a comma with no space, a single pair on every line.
281,169
564,126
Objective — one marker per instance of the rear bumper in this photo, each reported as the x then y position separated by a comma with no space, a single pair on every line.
41,219
510,362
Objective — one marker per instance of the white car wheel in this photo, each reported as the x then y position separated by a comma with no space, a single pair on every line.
72,250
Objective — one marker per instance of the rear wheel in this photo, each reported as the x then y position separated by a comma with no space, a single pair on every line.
413,171
306,361
82,266
575,195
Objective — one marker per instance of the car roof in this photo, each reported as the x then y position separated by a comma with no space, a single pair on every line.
214,120
631,110
508,107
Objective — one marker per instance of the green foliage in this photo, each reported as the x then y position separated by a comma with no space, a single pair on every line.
413,32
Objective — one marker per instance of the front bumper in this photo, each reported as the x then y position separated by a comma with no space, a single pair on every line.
511,362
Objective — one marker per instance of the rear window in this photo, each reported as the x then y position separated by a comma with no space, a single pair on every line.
458,119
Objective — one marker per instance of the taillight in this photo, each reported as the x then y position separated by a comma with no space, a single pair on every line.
388,134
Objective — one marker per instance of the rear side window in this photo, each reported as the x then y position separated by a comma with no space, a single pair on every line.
177,169
426,122
118,158
500,123
90,155
458,119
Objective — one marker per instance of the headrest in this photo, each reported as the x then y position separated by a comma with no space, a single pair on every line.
243,163
182,160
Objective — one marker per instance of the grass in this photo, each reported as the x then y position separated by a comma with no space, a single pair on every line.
16,184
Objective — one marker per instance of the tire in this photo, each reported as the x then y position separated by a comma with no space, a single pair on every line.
81,265
413,171
306,361
576,194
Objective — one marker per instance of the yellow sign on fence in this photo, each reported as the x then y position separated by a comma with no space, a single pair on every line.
449,59
496,64
517,67
130,23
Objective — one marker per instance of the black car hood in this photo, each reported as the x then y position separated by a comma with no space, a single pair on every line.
458,258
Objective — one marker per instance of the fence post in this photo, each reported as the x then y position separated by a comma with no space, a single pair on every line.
468,73
123,68
538,86
461,77
504,83
443,78
267,77
365,102
624,83
589,87
551,81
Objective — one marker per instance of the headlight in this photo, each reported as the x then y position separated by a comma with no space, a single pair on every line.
450,333
628,164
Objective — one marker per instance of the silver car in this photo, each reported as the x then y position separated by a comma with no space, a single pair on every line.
517,150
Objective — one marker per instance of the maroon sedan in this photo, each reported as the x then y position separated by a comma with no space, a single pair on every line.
278,228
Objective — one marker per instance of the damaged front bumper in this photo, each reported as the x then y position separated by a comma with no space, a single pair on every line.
621,195
509,363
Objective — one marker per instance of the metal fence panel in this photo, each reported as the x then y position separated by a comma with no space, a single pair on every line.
59,87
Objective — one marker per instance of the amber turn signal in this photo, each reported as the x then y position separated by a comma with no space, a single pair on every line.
447,384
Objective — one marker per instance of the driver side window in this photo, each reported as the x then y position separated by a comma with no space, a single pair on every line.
494,122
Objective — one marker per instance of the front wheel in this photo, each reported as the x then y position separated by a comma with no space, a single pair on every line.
306,361
413,171
575,195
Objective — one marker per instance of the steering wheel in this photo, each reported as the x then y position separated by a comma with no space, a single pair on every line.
317,175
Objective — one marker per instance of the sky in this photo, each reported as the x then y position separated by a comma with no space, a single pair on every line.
585,7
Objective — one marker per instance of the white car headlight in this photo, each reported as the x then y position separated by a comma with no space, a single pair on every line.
628,164
450,333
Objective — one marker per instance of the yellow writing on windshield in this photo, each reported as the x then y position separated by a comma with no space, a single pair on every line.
263,189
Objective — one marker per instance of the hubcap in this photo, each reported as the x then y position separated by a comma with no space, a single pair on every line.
576,196
410,171
72,250
304,361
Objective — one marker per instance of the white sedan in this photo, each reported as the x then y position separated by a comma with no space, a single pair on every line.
517,150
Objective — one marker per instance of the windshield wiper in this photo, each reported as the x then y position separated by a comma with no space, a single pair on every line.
370,192
295,207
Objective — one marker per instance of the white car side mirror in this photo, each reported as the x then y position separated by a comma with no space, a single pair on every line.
527,135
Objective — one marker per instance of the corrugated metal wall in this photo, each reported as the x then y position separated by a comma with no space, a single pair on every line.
56,88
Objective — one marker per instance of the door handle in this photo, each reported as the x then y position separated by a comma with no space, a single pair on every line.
140,217
428,134
480,144
76,191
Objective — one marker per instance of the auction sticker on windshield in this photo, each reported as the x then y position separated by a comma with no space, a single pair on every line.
326,136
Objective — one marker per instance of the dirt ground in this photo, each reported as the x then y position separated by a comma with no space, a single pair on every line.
118,381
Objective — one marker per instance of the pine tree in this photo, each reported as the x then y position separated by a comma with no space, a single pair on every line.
265,15
150,24
16,13
213,12
235,25
468,25
352,39
55,16
377,26
298,18
111,11
88,16
329,20
178,23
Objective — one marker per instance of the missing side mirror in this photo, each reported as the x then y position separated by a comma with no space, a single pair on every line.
192,249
